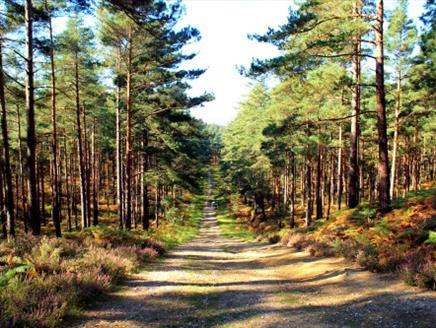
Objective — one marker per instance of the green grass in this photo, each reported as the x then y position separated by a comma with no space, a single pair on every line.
413,195
232,229
290,298
174,234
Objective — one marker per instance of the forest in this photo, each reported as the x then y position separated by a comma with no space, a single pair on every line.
104,170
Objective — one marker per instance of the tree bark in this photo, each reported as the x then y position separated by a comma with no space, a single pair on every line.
21,164
42,191
94,176
87,164
129,133
383,168
308,187
353,171
80,152
331,184
118,151
2,201
416,161
56,182
9,199
68,198
339,178
145,211
396,136
318,192
293,190
34,213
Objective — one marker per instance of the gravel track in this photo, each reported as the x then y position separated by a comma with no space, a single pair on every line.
218,282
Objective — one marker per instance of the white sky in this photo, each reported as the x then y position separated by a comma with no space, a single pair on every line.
224,25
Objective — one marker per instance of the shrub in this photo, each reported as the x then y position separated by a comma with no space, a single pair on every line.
42,278
108,237
173,214
427,277
299,241
367,257
18,247
45,257
348,248
158,246
32,303
320,249
147,253
410,268
112,264
274,239
88,283
285,238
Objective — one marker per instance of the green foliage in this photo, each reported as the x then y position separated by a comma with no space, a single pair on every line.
178,232
431,238
11,273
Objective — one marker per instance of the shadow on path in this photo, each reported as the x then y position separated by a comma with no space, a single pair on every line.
215,281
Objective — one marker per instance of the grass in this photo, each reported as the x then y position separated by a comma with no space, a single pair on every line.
290,298
231,228
176,233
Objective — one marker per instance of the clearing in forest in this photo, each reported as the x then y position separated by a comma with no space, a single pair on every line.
215,281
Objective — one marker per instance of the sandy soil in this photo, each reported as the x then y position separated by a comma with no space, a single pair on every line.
219,282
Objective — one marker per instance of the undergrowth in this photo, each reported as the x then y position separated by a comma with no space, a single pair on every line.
402,241
45,279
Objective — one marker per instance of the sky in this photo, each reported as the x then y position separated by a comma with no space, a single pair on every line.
224,26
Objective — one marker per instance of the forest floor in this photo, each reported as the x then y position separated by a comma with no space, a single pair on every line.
215,281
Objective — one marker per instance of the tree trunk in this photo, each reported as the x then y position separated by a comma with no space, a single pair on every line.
2,200
80,152
361,152
129,134
331,184
94,176
87,163
157,204
145,211
286,181
396,136
339,178
73,175
118,151
383,168
9,201
308,191
42,192
353,171
68,198
34,213
416,162
318,192
293,189
56,187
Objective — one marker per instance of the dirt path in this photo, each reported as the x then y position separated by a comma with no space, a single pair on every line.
217,282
